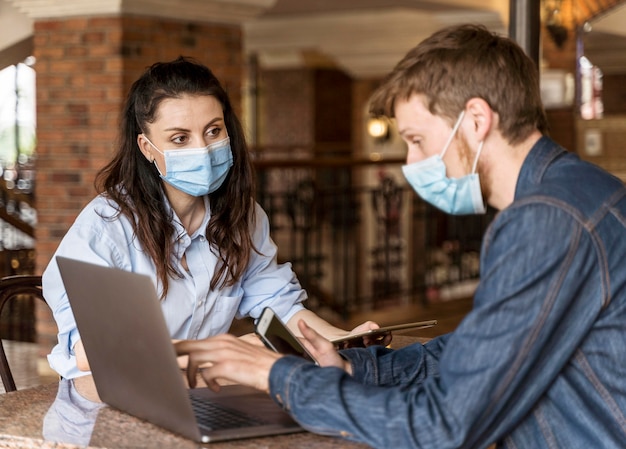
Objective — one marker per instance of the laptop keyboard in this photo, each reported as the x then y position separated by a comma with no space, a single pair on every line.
215,416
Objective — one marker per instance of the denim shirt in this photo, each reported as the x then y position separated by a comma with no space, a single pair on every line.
539,362
191,309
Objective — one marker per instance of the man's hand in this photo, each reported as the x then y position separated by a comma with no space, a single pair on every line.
231,359
321,349
252,338
235,360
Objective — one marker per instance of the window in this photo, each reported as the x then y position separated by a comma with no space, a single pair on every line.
17,153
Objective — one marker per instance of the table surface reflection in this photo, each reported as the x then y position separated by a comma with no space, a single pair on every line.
68,414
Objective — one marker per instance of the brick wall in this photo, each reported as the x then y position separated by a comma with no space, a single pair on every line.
85,67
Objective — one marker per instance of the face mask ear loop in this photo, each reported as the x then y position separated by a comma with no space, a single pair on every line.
153,145
158,151
480,148
454,130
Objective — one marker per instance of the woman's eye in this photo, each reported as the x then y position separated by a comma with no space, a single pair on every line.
179,139
213,131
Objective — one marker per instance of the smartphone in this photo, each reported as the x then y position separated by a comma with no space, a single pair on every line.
356,340
277,336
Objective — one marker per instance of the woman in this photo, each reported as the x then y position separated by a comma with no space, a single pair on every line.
177,203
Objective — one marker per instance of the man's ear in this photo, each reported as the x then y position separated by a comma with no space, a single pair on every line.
482,119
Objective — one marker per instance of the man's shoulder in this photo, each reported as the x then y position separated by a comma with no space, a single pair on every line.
565,180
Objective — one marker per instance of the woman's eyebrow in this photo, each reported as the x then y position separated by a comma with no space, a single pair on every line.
175,128
179,129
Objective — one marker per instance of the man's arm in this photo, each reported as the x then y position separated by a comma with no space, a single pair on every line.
532,309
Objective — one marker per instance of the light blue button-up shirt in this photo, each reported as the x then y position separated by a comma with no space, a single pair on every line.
191,309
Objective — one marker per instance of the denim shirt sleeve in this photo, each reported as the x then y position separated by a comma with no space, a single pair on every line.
470,389
382,366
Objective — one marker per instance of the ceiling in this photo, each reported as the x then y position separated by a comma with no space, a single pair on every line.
299,7
365,38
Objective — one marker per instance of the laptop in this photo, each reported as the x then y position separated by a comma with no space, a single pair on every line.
134,366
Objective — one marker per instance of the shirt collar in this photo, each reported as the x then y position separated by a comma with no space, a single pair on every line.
541,155
180,233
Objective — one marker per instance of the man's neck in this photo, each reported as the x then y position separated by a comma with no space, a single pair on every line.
505,163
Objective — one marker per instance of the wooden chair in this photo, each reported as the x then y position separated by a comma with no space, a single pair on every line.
12,287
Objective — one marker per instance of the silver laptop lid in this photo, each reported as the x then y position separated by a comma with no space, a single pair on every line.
129,348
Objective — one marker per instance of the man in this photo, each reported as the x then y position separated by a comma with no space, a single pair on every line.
540,361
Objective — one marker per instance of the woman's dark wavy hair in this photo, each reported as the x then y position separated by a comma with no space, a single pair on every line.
135,185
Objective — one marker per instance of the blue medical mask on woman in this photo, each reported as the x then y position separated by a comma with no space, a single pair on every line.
197,171
456,196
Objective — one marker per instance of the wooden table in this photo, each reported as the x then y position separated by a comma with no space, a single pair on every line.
57,416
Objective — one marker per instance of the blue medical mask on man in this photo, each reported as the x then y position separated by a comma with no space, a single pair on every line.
456,196
197,171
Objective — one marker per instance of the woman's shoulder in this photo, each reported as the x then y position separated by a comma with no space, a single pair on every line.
259,217
100,204
99,211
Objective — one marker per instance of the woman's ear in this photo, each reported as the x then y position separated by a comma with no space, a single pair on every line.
145,147
482,119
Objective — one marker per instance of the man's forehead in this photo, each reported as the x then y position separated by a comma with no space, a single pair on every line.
415,100
412,110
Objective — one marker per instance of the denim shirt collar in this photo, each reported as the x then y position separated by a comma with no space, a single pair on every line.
541,155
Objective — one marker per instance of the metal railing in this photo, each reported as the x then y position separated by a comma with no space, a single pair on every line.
359,238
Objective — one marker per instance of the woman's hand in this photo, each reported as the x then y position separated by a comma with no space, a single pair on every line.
81,357
364,341
333,333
